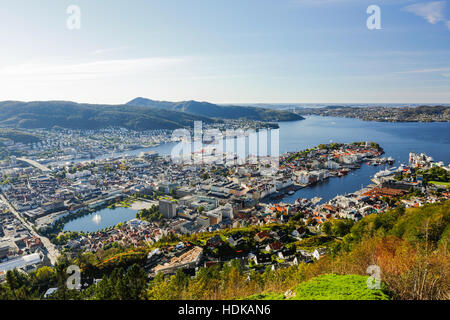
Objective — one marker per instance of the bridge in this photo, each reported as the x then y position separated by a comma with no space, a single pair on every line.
35,164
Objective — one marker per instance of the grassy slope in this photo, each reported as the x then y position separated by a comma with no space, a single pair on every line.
331,287
445,184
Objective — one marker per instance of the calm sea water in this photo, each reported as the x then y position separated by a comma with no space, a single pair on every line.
397,139
100,220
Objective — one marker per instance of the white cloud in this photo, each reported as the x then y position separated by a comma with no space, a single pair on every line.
330,2
87,70
424,71
433,12
320,1
448,24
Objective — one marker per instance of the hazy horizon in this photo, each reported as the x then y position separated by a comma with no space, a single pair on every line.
255,103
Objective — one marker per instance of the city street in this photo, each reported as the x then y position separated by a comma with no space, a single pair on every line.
52,252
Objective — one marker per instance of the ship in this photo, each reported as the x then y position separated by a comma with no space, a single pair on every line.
380,174
383,173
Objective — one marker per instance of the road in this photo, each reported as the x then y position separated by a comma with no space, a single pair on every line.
35,164
52,252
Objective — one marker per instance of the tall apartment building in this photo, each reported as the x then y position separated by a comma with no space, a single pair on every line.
168,208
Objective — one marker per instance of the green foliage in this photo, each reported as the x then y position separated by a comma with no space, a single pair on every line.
21,286
297,155
428,223
339,287
297,218
134,116
375,224
18,136
151,214
371,144
435,174
315,242
205,176
331,287
440,184
173,193
48,114
331,146
200,209
337,227
121,285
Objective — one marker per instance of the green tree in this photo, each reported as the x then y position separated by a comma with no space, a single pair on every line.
326,228
136,282
104,290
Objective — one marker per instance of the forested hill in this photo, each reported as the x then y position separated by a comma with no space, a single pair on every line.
219,111
138,114
71,115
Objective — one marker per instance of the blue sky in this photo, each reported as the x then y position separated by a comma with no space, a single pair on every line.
226,51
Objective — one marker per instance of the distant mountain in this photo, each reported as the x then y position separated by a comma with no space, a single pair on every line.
66,114
138,114
219,111
391,113
336,107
